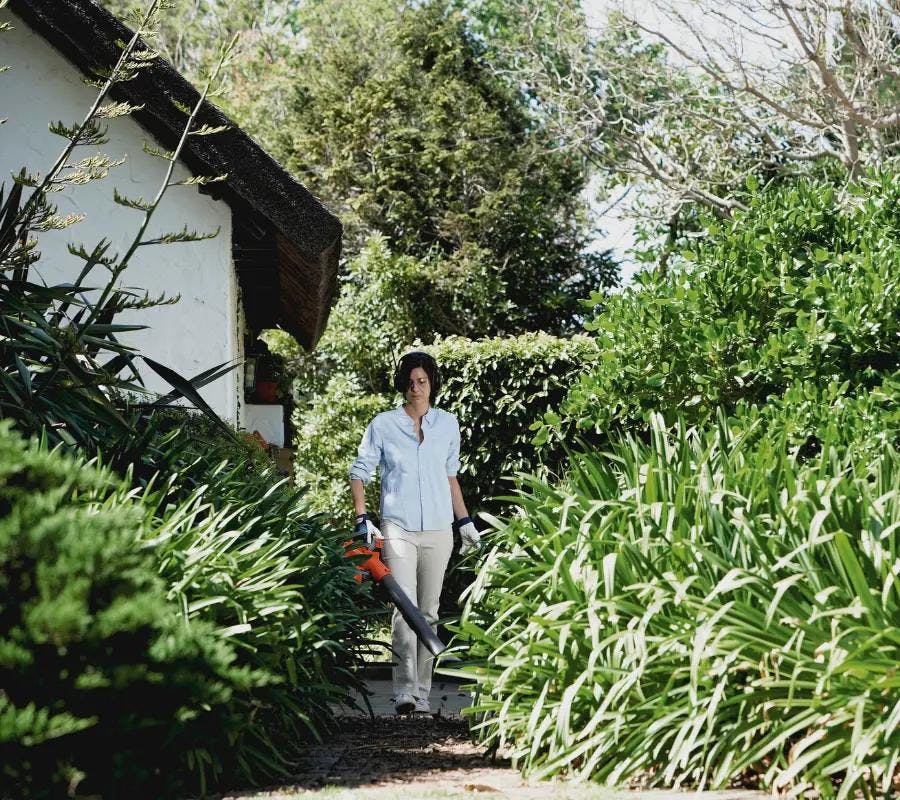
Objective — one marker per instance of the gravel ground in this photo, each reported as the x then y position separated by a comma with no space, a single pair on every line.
428,758
391,756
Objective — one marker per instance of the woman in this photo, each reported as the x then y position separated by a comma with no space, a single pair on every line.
417,447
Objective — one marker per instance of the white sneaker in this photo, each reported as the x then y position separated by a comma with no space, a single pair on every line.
422,705
404,703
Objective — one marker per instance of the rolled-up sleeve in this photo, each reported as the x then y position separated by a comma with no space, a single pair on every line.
453,452
368,455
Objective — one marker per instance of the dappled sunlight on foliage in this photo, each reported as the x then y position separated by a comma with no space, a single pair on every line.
695,611
708,595
803,287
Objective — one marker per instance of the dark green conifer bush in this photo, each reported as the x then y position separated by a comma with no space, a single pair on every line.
101,677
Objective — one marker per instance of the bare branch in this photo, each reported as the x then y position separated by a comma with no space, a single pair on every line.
695,96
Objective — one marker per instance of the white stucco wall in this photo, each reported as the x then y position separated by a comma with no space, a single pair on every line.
201,330
268,420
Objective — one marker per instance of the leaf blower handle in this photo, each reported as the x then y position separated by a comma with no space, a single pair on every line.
365,529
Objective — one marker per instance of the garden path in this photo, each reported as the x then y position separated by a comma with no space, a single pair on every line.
428,757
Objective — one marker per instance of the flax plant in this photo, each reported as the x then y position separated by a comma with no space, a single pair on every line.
236,550
240,556
257,581
697,610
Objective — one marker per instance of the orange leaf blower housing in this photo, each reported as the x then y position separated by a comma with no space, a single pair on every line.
373,567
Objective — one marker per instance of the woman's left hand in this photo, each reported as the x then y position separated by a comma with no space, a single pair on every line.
471,538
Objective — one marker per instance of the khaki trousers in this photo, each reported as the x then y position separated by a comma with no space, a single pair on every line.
417,560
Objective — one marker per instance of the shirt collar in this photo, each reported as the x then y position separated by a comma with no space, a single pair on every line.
430,415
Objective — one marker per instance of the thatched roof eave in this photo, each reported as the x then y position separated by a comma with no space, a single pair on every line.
308,235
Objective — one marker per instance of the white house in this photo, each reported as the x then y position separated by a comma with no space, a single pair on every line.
274,261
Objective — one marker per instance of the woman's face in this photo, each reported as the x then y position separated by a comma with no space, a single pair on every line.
419,386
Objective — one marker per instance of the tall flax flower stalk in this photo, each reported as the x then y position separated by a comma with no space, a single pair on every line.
62,367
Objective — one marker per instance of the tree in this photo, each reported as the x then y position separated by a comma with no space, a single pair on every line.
255,88
393,114
826,73
695,98
188,33
401,124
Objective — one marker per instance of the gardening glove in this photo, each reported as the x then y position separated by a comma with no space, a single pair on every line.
468,533
366,530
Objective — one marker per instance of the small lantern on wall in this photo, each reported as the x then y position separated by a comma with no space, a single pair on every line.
250,374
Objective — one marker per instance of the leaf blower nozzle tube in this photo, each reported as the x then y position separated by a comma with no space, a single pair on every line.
378,571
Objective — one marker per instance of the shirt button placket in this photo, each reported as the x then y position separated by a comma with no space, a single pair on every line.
419,476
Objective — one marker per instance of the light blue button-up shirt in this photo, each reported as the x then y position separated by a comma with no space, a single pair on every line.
415,492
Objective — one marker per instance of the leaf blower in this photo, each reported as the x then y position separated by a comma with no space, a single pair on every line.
374,568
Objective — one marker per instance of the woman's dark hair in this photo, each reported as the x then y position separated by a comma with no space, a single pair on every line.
418,359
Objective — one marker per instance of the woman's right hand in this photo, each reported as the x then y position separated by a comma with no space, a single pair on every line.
366,530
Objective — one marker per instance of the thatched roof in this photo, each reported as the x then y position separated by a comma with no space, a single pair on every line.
287,244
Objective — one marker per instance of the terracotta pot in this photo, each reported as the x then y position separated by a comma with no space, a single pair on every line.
267,391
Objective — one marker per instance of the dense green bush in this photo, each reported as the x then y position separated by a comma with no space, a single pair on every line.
383,303
271,602
496,387
328,434
806,412
240,549
801,287
103,684
711,604
380,307
697,610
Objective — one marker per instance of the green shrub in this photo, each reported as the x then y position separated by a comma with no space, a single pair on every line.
100,676
801,287
697,611
383,303
498,388
808,413
249,583
707,605
328,434
388,299
240,550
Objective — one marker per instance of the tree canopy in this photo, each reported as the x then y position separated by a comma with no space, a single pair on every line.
399,121
684,102
395,115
